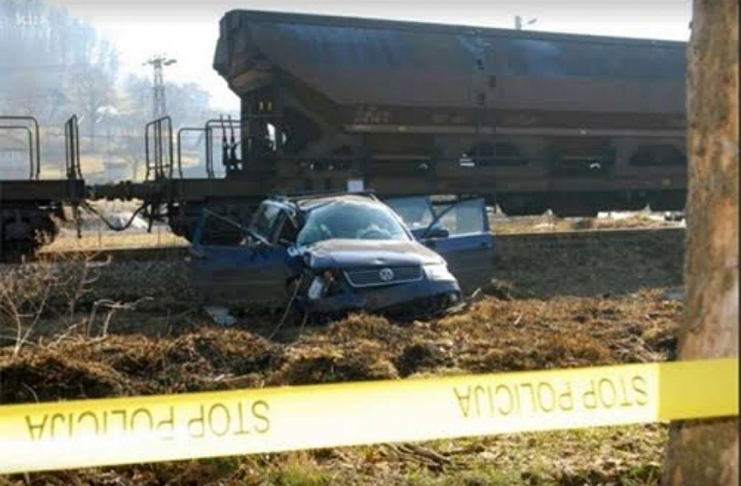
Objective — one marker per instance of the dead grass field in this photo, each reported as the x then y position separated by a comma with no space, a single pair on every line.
108,240
551,308
153,352
550,224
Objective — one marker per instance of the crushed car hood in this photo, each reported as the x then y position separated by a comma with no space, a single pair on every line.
360,253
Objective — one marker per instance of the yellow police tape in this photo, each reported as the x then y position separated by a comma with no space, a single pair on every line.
74,434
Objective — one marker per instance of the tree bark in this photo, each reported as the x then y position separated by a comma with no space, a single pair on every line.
705,452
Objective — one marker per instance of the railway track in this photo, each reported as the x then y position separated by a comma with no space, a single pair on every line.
507,243
529,265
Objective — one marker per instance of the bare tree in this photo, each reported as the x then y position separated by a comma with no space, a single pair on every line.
48,57
705,452
93,89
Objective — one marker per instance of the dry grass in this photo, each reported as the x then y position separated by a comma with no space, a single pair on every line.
529,321
153,352
621,456
107,240
185,350
66,295
548,223
31,293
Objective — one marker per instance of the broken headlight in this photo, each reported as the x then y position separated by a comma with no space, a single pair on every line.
438,271
317,288
325,284
308,259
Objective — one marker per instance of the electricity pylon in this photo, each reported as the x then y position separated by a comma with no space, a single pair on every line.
159,104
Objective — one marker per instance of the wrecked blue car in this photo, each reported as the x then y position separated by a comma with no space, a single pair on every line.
334,254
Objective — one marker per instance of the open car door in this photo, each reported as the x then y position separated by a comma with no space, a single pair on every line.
249,274
459,231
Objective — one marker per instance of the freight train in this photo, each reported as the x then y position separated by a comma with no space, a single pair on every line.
529,120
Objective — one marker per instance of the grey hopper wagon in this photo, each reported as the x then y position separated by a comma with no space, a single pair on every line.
529,120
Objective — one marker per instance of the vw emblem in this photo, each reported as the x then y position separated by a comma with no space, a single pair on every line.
386,275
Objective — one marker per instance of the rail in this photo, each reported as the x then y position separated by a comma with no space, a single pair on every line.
34,144
30,144
505,243
72,148
180,143
155,159
228,145
228,148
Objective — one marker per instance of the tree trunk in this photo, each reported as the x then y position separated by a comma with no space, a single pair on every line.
705,452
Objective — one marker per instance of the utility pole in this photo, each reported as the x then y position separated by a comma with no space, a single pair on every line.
159,104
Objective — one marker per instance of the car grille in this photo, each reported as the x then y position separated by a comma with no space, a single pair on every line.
370,277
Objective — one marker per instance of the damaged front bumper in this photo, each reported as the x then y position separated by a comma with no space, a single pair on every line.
436,296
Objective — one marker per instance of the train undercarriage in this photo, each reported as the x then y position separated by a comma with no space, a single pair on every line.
30,209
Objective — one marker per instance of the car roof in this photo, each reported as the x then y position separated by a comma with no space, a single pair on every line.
308,204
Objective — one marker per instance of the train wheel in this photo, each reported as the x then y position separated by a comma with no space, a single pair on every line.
575,211
18,241
576,205
523,205
44,229
667,200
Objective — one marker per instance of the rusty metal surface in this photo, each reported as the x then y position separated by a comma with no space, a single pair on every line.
555,120
40,190
186,190
393,64
447,180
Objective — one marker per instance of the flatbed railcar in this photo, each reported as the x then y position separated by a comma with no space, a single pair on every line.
31,207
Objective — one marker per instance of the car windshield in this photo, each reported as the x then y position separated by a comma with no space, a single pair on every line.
351,220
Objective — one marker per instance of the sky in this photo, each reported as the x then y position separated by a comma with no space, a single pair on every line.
187,30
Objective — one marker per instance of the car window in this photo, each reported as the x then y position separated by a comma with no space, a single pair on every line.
463,218
288,231
264,220
416,212
351,220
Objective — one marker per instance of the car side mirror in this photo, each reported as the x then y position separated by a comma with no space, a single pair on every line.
438,232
